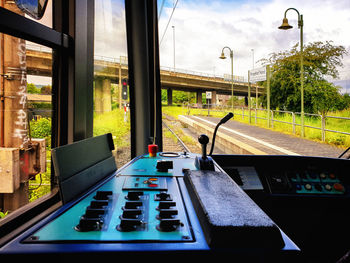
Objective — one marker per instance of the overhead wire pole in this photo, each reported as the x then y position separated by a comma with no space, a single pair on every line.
174,45
166,28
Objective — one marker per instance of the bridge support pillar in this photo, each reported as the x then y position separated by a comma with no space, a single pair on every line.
102,99
199,97
170,96
213,97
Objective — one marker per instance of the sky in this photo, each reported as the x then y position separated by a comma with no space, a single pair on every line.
249,27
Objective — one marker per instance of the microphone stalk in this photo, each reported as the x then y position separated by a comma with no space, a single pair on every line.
222,121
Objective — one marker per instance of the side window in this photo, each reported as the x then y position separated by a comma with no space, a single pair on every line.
25,117
111,89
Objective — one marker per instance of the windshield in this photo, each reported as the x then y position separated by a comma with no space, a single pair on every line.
282,67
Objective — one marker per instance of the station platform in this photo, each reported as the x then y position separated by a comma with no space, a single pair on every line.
235,137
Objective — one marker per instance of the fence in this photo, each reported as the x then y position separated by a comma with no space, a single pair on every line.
314,121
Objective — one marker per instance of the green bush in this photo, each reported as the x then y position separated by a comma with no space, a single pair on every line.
41,129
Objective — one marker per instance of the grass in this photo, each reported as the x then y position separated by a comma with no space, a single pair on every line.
279,122
113,122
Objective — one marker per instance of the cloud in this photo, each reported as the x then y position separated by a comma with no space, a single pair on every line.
110,29
202,28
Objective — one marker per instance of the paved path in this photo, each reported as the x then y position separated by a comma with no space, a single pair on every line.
269,141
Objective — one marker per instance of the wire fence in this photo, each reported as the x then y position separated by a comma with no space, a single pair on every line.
323,123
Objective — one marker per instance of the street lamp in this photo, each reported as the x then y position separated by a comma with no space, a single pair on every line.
285,25
224,57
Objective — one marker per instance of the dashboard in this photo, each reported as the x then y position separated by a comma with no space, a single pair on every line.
250,207
308,197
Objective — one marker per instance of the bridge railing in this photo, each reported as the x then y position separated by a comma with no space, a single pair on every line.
124,61
224,77
317,126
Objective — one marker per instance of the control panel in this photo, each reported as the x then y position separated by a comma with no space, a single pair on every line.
126,208
305,182
288,175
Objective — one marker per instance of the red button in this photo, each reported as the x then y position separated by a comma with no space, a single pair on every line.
339,187
152,150
153,185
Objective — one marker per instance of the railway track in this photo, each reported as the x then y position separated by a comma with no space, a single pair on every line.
169,145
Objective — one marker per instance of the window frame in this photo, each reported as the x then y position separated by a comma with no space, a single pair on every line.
72,80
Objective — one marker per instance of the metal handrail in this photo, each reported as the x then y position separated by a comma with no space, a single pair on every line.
244,110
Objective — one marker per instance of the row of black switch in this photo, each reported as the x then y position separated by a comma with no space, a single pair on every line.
130,220
167,214
92,220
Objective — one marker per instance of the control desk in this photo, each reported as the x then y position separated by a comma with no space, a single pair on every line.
175,203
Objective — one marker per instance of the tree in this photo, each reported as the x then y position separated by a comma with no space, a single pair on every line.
325,97
47,90
31,88
320,60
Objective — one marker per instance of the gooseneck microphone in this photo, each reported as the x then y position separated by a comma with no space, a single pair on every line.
223,120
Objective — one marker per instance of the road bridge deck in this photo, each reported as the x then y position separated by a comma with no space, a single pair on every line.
241,138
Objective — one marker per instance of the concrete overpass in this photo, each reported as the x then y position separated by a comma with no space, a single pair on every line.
109,71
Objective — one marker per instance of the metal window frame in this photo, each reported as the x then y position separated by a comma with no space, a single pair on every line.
144,75
72,87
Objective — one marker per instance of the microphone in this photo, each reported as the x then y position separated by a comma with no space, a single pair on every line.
222,121
226,118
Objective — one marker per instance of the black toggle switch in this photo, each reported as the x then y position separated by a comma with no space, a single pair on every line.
134,195
131,213
132,205
103,195
89,224
167,213
98,204
166,204
168,225
93,212
162,197
128,224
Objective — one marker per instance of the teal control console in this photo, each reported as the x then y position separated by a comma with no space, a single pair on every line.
161,204
126,208
138,203
181,204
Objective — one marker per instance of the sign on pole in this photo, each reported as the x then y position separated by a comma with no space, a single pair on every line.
208,95
261,74
258,74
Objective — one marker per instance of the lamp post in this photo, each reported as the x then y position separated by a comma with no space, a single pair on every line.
285,25
224,57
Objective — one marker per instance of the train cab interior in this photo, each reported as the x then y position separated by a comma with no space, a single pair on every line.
172,204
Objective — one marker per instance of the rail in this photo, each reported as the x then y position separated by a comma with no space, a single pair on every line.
183,145
315,121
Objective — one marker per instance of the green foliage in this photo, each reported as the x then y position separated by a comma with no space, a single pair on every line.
2,214
320,60
40,128
40,186
324,97
180,97
32,89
